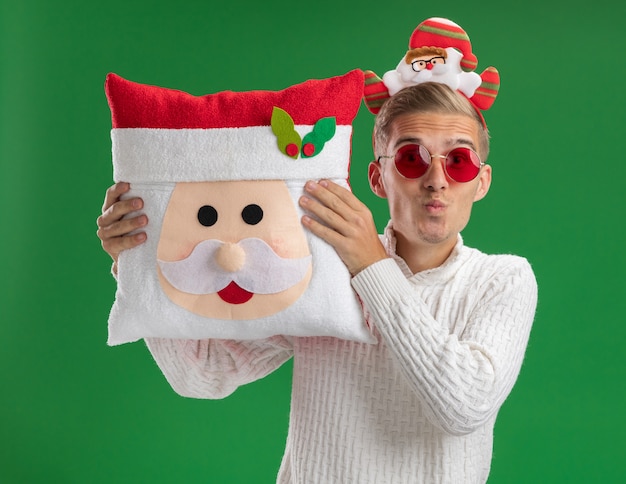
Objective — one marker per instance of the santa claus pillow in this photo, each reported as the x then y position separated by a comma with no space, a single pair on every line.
220,175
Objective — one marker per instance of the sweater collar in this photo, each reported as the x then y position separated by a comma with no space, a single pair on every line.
441,273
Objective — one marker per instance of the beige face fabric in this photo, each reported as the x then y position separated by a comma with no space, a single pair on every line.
273,220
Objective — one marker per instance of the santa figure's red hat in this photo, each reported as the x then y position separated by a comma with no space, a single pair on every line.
444,33
165,135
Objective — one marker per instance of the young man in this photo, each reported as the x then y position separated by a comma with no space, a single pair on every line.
451,323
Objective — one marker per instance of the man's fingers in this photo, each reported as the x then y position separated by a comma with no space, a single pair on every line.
325,233
115,238
325,204
119,210
115,209
340,219
325,212
342,194
115,245
114,228
113,194
334,205
121,227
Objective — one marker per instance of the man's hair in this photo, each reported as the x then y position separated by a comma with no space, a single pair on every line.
427,97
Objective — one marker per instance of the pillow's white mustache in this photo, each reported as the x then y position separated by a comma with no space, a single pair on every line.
262,272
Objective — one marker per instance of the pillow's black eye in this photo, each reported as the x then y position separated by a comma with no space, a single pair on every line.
252,214
207,215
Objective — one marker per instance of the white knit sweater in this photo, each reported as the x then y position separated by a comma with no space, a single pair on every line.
419,406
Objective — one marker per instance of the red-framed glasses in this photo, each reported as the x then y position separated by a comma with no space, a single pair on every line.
413,160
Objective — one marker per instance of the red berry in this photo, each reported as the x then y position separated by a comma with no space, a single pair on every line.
308,149
291,149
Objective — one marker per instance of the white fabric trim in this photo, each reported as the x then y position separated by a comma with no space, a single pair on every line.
144,155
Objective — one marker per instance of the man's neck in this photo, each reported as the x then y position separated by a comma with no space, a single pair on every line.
421,256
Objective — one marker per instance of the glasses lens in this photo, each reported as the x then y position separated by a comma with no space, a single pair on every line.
412,161
462,164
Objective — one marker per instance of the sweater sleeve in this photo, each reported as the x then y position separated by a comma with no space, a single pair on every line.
462,378
214,369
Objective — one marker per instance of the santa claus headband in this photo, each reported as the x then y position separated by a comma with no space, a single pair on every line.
299,133
439,51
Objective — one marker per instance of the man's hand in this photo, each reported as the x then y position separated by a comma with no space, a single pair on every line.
344,222
113,230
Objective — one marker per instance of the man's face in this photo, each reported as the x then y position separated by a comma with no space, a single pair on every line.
432,209
233,250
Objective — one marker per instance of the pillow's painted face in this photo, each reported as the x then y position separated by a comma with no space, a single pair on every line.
233,249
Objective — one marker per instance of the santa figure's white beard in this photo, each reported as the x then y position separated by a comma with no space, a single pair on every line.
404,76
263,272
441,73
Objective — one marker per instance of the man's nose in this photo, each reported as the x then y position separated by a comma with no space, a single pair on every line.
230,257
435,177
429,65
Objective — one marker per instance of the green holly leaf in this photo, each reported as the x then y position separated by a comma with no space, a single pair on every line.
322,132
288,139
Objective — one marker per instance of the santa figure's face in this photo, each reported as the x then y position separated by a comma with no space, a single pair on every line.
427,63
432,67
233,249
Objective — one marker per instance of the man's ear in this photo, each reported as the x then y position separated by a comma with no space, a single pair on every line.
484,182
375,177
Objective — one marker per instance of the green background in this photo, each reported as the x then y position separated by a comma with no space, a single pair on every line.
73,410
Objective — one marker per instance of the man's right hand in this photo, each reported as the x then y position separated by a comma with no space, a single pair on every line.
113,228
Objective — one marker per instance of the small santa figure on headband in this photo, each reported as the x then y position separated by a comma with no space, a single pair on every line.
439,51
